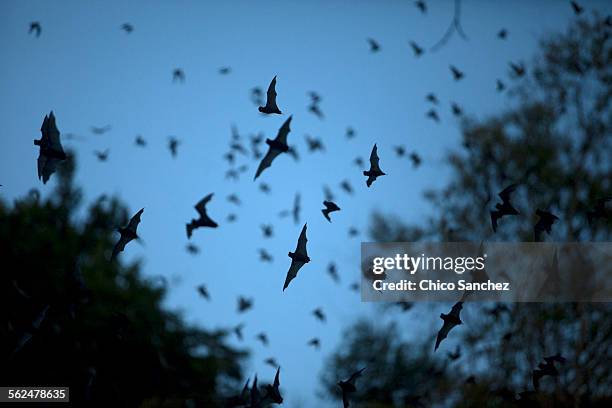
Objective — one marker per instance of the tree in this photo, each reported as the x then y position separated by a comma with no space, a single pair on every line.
555,143
73,318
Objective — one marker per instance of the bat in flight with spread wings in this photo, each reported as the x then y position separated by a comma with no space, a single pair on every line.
128,234
503,208
298,258
451,320
272,393
375,170
204,220
51,152
275,147
348,386
544,224
330,207
271,106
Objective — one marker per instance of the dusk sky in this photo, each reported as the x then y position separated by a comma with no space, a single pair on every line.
91,73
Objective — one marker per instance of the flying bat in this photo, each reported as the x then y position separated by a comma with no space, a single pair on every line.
127,27
421,5
400,150
51,152
203,291
263,338
578,9
431,97
178,75
518,69
456,109
297,208
128,234
238,331
346,186
264,256
29,333
257,96
415,158
271,106
350,133
418,51
275,147
330,207
499,85
374,46
451,320
318,313
544,223
139,141
192,248
502,34
348,386
255,399
272,392
353,232
314,342
298,258
173,143
204,220
244,304
231,218
375,170
315,110
314,144
35,28
329,195
267,230
271,361
546,368
503,208
100,130
332,270
455,355
265,188
433,115
102,156
234,199
457,74
225,70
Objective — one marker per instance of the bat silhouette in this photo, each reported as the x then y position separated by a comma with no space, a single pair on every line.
458,75
203,291
546,368
578,9
314,144
128,233
315,110
332,270
244,304
173,144
314,342
330,207
255,400
204,220
257,96
418,51
35,28
354,286
225,70
451,320
297,208
348,386
314,97
503,208
238,331
267,230
359,162
178,75
271,106
237,147
298,258
346,186
229,156
51,153
375,170
599,210
234,199
264,256
374,46
232,174
431,97
102,156
353,232
544,223
420,4
263,338
415,158
231,218
127,27
100,130
272,392
329,195
500,86
433,115
318,313
456,109
275,147
350,133
400,150
139,141
502,34
518,69
240,400
192,249
265,188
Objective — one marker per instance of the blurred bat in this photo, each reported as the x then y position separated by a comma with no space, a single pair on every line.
544,223
139,141
35,28
51,152
451,320
415,158
127,27
546,368
31,331
231,218
128,234
314,144
502,34
102,156
263,338
225,70
418,51
255,400
272,392
265,188
275,147
100,130
271,361
503,208
353,232
318,313
455,355
297,208
420,4
257,96
173,143
431,97
204,220
433,115
346,186
178,75
457,74
244,304
267,230
203,291
271,106
264,256
238,331
315,110
456,109
374,46
375,170
348,386
330,207
327,193
192,248
350,133
359,162
234,199
314,342
298,258
578,9
499,85
400,150
518,69
332,270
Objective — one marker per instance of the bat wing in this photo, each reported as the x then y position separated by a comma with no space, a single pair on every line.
284,130
267,161
133,225
120,246
301,245
494,217
276,378
354,376
201,205
271,93
292,272
374,159
296,208
52,133
443,333
506,192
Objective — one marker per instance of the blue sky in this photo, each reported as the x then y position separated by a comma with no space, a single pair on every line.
91,73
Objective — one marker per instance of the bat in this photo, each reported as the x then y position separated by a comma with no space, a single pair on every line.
314,342
225,70
546,368
503,208
173,143
421,5
354,286
267,230
271,106
255,400
100,130
272,392
102,156
456,109
314,97
318,313
314,144
275,147
234,199
238,331
315,110
375,170
451,320
264,256
263,338
332,270
178,75
51,152
265,188
240,400
203,291
502,34
192,249
35,28
128,233
433,115
544,223
415,158
237,147
458,75
244,304
374,46
431,97
348,386
257,96
353,232
297,208
350,133
231,217
329,195
418,51
139,141
298,258
400,150
204,220
518,69
271,361
127,27
359,162
330,207
599,210
499,85
578,9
